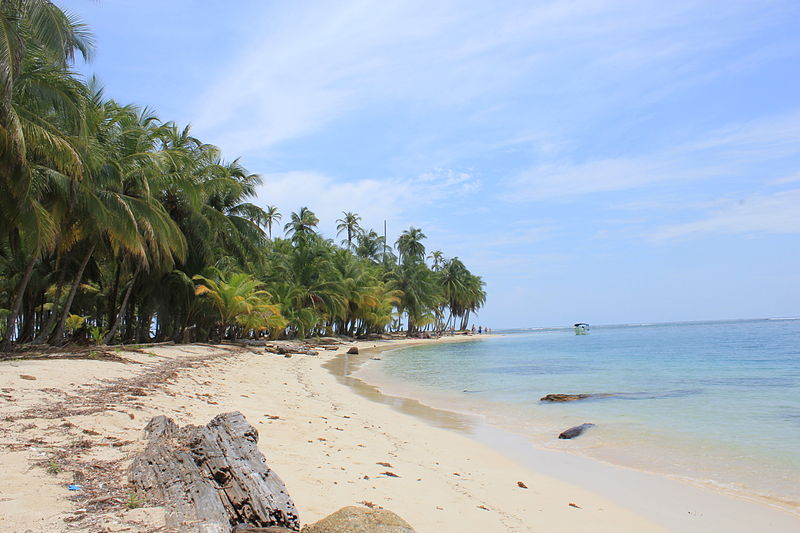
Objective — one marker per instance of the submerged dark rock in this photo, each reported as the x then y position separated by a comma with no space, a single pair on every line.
576,431
573,397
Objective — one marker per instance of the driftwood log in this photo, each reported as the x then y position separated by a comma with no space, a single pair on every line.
211,478
284,349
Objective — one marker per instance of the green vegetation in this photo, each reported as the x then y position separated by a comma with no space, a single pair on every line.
134,502
53,467
116,226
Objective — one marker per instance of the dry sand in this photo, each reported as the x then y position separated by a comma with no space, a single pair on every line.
324,439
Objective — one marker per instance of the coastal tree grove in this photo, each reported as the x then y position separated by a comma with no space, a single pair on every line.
119,227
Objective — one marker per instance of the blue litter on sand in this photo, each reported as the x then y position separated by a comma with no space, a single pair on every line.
74,487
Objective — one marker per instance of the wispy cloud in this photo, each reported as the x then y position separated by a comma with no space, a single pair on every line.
726,152
776,213
375,200
327,60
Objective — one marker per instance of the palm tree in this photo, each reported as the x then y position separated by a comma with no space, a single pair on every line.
370,245
349,223
40,106
238,300
301,225
437,260
419,291
271,215
409,245
114,204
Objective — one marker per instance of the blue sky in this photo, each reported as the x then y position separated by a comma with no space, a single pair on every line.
597,161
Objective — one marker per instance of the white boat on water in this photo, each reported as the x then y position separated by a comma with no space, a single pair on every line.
581,329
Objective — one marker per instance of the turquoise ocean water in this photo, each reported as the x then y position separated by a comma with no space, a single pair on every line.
713,402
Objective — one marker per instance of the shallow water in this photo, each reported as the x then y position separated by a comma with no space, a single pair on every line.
713,402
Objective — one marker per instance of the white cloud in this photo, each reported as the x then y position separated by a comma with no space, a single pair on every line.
777,213
375,200
721,152
304,65
549,181
792,178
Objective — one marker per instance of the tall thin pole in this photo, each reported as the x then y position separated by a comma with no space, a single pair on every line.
384,240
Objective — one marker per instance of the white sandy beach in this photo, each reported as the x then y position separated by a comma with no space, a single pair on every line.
324,439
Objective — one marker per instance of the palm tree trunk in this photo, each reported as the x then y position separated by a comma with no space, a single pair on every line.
112,298
12,318
51,320
59,332
122,308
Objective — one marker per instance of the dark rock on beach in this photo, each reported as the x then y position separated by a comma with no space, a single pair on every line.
359,520
353,350
576,431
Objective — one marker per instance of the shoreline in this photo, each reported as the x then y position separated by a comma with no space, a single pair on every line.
327,443
570,464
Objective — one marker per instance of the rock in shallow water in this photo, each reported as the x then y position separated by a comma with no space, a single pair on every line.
571,433
359,520
573,397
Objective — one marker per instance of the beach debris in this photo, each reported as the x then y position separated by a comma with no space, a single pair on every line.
384,464
72,486
286,349
272,417
28,377
353,350
484,508
389,474
242,528
352,519
375,358
576,506
573,397
521,485
576,431
371,505
211,476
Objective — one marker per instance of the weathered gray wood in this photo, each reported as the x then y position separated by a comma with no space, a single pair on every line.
283,349
211,478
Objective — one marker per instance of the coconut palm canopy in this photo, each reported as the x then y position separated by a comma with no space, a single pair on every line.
119,226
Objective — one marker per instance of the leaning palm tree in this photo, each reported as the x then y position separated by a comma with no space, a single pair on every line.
271,216
348,223
40,109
